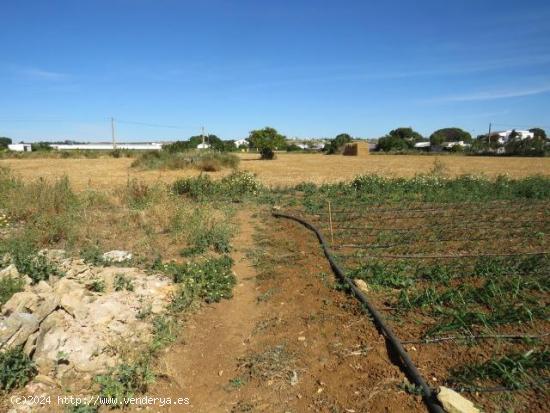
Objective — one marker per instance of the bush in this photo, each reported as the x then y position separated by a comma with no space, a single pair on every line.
237,185
211,280
8,287
204,160
125,381
337,144
16,369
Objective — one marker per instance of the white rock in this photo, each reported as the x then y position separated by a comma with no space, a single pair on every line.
42,287
9,271
453,402
361,284
16,329
117,256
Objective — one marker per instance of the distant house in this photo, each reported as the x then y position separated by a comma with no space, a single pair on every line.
203,146
425,146
20,147
108,146
241,142
503,137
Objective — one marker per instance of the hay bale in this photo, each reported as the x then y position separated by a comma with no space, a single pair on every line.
351,149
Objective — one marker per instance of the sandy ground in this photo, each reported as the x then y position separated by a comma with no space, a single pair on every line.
286,169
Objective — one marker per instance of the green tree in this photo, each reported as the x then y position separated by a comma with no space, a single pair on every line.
450,135
399,139
336,145
407,134
538,132
4,142
266,140
41,146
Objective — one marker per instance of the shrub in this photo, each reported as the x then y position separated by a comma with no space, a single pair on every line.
204,160
91,254
123,283
97,286
211,280
8,287
125,381
16,369
237,185
337,144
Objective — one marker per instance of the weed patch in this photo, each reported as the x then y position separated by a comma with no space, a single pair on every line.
16,369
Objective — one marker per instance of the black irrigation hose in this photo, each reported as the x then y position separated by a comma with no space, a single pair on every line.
446,256
427,393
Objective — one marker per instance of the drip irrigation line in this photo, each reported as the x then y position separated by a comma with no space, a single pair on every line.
438,217
417,242
477,337
424,257
433,206
396,345
472,225
500,389
454,207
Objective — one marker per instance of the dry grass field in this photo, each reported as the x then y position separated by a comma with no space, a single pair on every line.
287,169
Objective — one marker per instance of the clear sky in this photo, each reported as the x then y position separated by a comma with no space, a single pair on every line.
307,68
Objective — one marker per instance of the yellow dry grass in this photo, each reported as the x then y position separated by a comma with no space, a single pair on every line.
287,169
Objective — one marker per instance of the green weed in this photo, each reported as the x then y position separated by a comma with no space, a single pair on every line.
16,369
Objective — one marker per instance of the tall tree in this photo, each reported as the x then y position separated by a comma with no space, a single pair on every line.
266,140
539,133
450,135
336,144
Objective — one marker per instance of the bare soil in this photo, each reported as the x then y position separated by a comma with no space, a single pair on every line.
288,341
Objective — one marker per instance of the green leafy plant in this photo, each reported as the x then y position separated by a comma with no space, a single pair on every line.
16,369
125,381
122,283
8,287
97,286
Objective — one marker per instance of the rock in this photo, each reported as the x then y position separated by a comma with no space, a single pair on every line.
40,305
117,256
16,329
9,272
21,302
53,255
362,285
43,379
42,287
453,402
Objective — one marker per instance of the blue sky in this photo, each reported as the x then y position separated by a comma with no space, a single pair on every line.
307,68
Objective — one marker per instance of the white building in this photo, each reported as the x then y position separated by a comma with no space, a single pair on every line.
108,146
241,142
503,137
203,146
20,147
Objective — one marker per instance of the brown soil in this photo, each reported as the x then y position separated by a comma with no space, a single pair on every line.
288,341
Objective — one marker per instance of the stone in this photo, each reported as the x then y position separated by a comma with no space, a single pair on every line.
56,255
16,329
453,402
9,272
117,256
21,302
362,285
42,287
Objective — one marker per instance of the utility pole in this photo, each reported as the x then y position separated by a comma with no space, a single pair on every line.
113,132
202,136
489,134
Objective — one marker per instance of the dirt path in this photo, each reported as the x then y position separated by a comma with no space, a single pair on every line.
200,364
288,341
